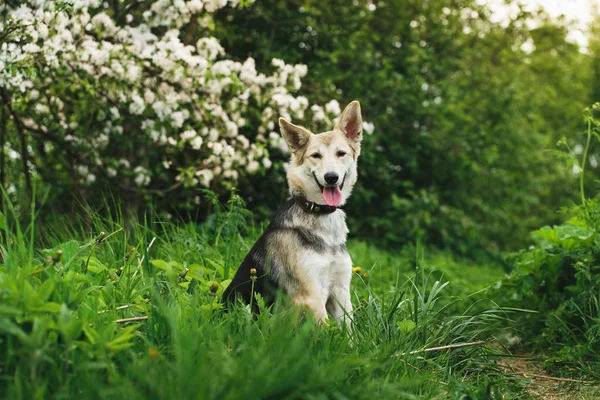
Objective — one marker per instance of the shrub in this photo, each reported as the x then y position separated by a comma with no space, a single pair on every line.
559,279
138,97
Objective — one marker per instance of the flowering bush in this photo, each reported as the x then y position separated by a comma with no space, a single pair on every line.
139,96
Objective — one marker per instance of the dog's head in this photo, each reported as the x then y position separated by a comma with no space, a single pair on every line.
323,166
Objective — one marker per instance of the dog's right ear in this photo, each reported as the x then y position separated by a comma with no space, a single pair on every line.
295,136
350,122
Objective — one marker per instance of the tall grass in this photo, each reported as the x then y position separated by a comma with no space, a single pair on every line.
132,311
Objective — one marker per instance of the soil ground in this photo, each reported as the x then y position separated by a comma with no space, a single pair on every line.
548,387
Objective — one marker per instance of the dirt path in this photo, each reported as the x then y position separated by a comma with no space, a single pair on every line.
547,387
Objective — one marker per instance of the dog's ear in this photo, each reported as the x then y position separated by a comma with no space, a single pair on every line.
295,136
350,122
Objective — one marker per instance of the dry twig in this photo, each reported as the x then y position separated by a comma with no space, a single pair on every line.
552,378
125,307
450,346
133,319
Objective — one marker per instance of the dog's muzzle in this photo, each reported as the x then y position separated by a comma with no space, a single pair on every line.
323,187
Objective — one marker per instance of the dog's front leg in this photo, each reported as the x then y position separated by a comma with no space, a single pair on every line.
339,304
311,285
313,302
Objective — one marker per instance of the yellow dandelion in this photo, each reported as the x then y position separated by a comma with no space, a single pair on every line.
356,269
153,353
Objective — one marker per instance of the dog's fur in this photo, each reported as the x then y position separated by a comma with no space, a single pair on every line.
301,252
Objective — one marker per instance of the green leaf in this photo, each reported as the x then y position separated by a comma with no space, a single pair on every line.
69,327
211,307
45,290
10,328
69,250
406,326
92,334
546,233
94,265
10,311
565,232
214,264
48,307
123,340
162,264
223,285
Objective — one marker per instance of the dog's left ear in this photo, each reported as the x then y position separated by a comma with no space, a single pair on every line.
295,136
350,122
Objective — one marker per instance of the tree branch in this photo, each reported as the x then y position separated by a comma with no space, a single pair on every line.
190,33
3,134
22,140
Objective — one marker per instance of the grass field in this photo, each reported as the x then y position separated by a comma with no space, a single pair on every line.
116,311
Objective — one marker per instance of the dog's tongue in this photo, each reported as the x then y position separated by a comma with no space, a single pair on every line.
332,195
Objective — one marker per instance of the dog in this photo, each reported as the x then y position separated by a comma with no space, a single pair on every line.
303,250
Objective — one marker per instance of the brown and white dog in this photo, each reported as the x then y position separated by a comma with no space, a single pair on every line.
303,250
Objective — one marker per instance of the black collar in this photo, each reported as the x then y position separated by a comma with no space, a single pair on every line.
312,207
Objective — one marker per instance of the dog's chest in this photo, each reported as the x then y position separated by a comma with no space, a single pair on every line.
330,229
332,266
324,271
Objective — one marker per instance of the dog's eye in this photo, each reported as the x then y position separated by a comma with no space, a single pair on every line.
316,155
341,153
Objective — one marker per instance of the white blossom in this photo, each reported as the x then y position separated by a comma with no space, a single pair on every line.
151,89
368,127
196,143
333,107
188,135
82,169
178,119
137,105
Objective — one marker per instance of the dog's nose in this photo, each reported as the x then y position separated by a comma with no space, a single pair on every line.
331,177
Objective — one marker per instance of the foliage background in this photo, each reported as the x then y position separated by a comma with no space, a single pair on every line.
464,111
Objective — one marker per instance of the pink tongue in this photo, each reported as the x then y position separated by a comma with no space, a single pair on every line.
332,196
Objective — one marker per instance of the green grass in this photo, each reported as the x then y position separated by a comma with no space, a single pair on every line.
386,269
63,336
